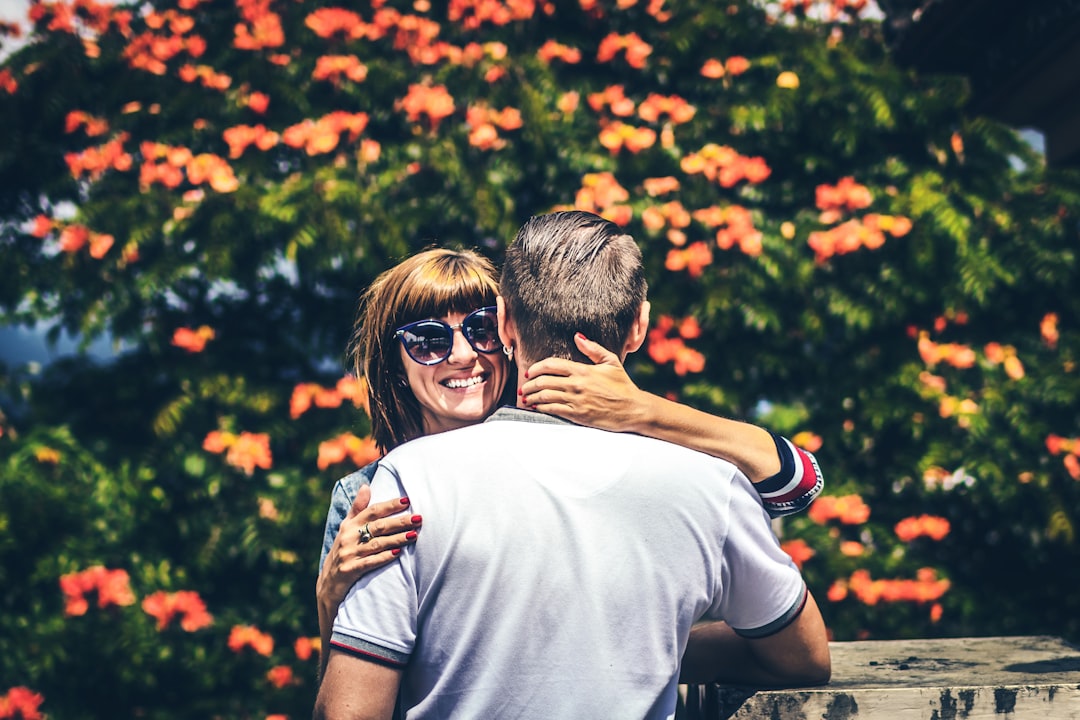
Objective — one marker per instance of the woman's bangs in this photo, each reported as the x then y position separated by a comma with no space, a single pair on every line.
442,289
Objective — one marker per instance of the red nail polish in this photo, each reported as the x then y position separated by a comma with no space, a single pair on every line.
395,551
411,535
417,519
520,391
405,501
526,374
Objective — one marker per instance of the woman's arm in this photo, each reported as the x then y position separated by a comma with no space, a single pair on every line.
604,396
348,556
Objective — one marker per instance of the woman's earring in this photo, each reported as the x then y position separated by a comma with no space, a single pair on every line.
508,351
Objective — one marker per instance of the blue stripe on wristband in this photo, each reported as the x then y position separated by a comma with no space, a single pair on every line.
787,468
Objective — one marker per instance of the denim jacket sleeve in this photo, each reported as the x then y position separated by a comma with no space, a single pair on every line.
340,501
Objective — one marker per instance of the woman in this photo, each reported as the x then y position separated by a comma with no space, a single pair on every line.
426,340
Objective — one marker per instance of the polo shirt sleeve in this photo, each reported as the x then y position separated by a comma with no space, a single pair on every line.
763,590
378,618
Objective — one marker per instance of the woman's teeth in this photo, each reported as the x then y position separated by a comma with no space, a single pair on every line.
464,382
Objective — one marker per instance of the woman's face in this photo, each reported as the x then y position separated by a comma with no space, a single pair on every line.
461,390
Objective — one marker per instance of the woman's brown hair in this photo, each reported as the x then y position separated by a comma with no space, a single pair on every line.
430,284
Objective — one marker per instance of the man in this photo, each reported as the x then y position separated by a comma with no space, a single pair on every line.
562,569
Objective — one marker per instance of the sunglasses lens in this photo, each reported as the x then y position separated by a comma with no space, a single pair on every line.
482,330
427,343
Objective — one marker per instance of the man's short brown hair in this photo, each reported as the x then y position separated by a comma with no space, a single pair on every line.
570,272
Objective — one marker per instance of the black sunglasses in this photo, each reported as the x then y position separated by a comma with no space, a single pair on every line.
430,341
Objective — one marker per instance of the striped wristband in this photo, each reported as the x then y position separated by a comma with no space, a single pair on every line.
796,485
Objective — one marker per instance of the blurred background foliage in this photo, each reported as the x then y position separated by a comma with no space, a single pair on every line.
836,249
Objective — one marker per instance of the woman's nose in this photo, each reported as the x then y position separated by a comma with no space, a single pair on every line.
461,351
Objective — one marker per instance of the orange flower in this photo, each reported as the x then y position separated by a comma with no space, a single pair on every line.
736,65
95,161
240,137
258,102
113,587
242,636
300,402
600,192
94,125
280,676
1048,328
713,69
724,165
959,356
837,591
689,328
305,646
359,451
42,226
73,237
206,76
661,185
614,98
435,102
799,551
552,50
8,82
807,440
326,22
164,607
209,168
1072,466
846,194
568,102
333,67
473,13
250,450
21,702
694,259
217,441
931,526
636,49
925,588
851,548
617,136
261,29
664,349
787,80
194,341
848,509
677,109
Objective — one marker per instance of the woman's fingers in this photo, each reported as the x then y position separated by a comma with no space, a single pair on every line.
595,351
360,502
386,509
389,531
380,544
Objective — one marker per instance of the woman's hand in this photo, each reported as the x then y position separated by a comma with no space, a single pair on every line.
601,395
369,537
351,557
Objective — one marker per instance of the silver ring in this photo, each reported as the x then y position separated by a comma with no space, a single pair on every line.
365,534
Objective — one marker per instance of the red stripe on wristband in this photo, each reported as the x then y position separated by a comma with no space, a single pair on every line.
810,476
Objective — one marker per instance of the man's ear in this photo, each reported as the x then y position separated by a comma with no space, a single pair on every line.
638,331
507,332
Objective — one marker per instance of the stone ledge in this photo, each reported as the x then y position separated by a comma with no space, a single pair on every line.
1017,678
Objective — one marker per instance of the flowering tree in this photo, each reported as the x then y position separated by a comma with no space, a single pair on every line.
835,249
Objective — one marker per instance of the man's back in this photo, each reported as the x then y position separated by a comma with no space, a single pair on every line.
560,570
